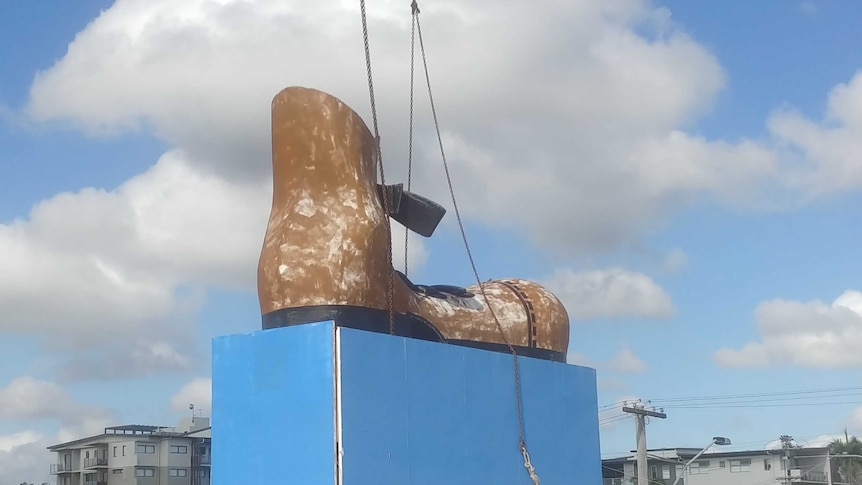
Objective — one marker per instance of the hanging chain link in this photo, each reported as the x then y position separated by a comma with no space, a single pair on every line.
522,442
415,8
391,283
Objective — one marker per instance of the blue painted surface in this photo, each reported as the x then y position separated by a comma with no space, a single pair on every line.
421,413
413,412
273,412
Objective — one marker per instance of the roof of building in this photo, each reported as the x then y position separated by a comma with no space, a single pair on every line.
80,441
685,454
130,430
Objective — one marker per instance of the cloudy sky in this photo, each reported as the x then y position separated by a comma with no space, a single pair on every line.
688,180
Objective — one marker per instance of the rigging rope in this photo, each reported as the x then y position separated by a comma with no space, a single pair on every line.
522,442
391,282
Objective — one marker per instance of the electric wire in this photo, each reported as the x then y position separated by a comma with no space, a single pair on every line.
759,394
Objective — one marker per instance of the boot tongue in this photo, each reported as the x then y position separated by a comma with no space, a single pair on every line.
419,214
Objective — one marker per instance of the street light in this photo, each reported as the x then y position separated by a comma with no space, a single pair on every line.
717,440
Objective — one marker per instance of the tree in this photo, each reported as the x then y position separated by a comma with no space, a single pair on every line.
848,469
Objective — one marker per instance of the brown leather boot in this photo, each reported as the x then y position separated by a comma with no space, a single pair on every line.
325,257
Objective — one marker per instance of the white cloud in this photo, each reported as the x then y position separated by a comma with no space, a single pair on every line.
26,399
23,454
675,261
15,440
599,147
576,358
611,292
808,8
626,361
816,442
612,384
24,459
813,334
108,277
197,392
822,440
600,139
29,398
825,156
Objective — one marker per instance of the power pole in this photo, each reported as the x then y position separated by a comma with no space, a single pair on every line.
640,416
787,445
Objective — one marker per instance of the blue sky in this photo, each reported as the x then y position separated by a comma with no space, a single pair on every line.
702,195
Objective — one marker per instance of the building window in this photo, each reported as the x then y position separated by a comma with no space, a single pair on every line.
145,472
179,449
766,465
145,449
87,455
117,471
665,472
721,464
653,472
124,450
699,468
177,472
740,465
678,470
203,450
203,472
115,451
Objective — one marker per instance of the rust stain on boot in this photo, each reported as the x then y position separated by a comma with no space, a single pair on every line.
325,242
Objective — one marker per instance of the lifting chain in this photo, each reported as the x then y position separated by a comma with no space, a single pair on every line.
390,297
415,8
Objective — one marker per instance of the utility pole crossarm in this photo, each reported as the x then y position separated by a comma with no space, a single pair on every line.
644,412
640,418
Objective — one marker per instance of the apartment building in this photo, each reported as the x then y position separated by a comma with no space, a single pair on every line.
137,455
797,466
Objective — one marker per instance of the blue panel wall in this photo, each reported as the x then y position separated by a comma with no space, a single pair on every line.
273,411
421,413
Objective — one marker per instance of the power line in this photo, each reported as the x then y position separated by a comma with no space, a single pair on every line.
750,398
616,419
605,418
719,406
765,399
612,405
758,394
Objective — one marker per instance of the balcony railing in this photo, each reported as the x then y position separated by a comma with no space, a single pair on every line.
96,482
60,468
198,460
819,477
96,461
612,481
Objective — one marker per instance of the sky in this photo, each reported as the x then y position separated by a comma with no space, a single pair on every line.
687,179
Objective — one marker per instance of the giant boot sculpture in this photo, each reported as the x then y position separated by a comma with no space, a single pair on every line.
325,257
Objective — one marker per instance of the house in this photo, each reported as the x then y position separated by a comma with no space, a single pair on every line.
137,454
802,466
